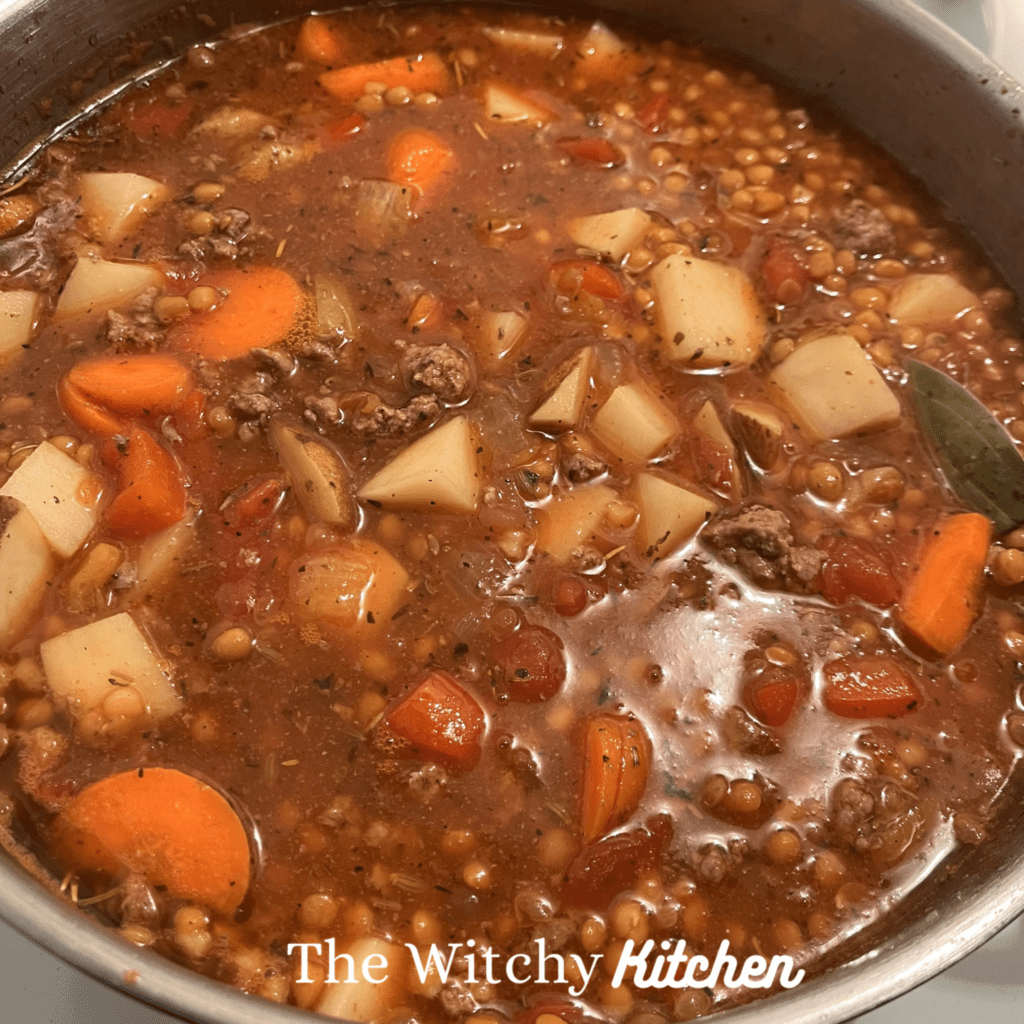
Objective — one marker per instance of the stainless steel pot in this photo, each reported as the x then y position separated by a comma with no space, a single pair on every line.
938,105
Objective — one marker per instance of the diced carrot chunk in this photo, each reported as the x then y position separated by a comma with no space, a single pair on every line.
133,384
175,831
320,41
261,306
419,158
876,686
855,568
944,596
572,276
425,72
439,721
616,762
596,151
151,487
85,412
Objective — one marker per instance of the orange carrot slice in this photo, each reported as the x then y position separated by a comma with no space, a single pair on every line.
419,159
425,72
944,596
616,761
87,413
163,824
133,384
320,42
152,489
439,721
260,308
875,686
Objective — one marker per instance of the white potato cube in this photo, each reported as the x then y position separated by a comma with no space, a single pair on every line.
543,44
708,314
930,300
162,553
96,286
506,106
562,404
26,568
669,514
18,313
114,203
634,423
357,585
497,333
84,665
437,473
833,389
62,496
611,234
602,54
371,979
572,520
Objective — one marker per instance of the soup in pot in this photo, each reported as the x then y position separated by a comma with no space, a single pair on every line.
495,510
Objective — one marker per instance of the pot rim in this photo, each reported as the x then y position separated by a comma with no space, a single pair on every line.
902,962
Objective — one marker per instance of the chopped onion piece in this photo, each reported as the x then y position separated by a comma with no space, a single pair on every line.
383,208
335,310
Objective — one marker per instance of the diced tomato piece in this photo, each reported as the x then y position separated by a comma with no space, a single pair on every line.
439,721
593,151
784,276
336,132
152,488
772,699
856,568
572,276
532,663
158,120
876,686
254,505
653,115
603,869
716,465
